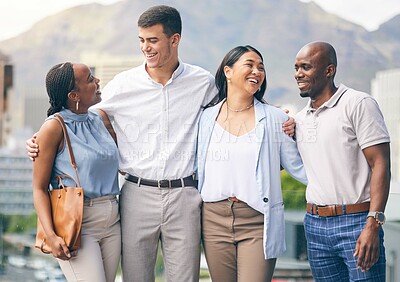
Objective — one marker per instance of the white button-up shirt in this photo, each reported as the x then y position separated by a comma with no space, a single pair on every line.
156,125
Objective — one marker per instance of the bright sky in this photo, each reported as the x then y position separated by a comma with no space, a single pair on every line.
17,16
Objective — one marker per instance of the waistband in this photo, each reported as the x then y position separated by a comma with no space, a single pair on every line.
98,200
175,183
234,199
335,210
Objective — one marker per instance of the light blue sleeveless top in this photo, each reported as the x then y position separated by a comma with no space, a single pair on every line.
96,155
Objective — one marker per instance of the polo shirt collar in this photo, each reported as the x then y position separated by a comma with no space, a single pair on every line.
331,102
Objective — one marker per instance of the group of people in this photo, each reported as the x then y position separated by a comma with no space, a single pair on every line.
164,121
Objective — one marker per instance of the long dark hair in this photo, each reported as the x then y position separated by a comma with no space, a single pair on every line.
60,81
229,60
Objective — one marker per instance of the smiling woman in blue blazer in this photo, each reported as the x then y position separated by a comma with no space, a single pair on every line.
241,148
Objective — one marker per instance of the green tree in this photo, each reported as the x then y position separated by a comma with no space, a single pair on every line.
293,192
19,223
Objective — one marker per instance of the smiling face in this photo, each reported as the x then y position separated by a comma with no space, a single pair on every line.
87,88
312,71
247,74
159,50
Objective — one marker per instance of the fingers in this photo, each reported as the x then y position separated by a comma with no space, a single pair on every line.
367,256
61,250
288,127
74,253
62,253
370,258
32,148
66,251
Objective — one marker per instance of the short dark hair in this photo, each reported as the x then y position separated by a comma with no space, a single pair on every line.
229,60
167,16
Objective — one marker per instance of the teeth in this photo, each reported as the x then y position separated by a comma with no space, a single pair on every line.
253,80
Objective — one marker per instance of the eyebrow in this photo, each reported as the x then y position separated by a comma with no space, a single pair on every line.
250,60
149,38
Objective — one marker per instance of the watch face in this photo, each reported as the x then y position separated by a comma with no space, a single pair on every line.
380,217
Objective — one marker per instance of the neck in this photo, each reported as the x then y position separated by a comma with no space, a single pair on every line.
239,104
79,112
325,95
162,74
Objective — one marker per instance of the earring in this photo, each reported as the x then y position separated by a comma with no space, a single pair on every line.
229,81
77,106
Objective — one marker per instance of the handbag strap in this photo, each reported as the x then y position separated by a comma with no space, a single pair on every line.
71,153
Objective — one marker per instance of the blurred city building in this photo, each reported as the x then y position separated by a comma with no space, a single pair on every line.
385,87
6,83
15,185
105,66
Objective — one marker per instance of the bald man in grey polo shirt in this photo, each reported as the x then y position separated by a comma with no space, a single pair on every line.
344,144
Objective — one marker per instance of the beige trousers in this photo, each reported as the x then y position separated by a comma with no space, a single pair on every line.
100,254
150,215
233,243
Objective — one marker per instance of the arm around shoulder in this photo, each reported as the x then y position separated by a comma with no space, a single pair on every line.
108,125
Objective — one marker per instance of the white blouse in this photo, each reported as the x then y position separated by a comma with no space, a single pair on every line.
230,168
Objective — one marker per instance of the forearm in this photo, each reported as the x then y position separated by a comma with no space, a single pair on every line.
41,202
380,183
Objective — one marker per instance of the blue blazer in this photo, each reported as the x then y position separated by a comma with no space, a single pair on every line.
275,148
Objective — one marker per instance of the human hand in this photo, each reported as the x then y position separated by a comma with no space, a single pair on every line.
289,126
368,246
32,148
59,248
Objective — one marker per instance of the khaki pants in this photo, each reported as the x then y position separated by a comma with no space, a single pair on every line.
100,254
169,215
233,243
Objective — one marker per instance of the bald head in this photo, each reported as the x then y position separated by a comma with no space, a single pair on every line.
323,51
315,67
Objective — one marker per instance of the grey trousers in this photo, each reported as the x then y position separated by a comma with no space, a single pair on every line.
233,243
100,254
169,215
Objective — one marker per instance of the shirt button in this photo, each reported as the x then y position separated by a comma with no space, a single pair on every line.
265,200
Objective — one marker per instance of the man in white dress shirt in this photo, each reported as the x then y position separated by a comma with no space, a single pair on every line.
155,110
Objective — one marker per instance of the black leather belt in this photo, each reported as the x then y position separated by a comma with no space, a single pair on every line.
175,183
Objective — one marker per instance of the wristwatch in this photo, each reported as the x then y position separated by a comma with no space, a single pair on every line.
379,216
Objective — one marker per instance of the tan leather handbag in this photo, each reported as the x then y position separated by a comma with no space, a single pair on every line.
66,208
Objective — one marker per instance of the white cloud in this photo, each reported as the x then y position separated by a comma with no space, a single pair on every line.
17,16
367,13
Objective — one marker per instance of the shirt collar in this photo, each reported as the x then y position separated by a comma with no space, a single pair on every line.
331,102
179,70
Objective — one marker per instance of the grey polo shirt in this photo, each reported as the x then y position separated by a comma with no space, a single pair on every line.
330,141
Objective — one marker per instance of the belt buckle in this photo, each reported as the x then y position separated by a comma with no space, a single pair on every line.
161,182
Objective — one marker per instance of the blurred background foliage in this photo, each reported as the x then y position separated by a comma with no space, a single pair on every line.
293,192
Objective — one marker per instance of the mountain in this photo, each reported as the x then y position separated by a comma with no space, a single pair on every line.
278,28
